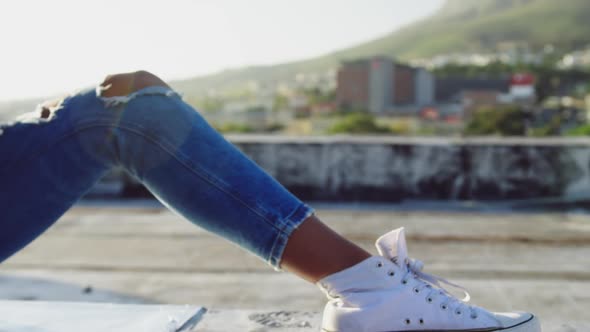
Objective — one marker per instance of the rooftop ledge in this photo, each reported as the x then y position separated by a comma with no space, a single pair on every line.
37,316
408,140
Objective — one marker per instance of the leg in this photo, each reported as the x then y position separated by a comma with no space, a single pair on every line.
313,251
176,154
47,162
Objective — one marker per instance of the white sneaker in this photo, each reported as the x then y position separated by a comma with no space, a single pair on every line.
390,293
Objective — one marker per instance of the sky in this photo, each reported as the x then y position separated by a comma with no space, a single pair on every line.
57,46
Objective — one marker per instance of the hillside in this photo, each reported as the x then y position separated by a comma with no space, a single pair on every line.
468,25
459,26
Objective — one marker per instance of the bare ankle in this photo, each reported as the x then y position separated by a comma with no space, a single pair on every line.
315,251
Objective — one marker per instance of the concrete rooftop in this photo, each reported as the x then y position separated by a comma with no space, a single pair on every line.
145,254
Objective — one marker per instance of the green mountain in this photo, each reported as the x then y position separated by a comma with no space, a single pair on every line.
483,25
459,26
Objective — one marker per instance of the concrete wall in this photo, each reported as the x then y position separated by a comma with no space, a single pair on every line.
393,169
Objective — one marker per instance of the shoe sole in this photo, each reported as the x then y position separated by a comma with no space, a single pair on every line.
530,325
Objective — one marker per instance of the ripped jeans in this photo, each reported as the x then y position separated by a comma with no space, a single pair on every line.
46,165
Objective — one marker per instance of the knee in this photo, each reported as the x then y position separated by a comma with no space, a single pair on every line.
126,83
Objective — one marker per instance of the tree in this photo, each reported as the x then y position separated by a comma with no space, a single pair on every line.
503,121
357,123
234,128
551,128
580,131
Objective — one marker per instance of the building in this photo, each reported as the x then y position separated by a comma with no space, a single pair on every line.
352,90
475,93
522,88
382,86
451,88
379,85
424,87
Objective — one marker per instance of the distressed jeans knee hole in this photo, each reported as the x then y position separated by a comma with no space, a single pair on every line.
155,90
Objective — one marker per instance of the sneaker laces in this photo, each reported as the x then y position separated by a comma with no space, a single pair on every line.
393,247
435,284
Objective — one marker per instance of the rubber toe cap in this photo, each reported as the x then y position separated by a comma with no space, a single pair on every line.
520,321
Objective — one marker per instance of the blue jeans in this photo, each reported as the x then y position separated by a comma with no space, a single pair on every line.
46,165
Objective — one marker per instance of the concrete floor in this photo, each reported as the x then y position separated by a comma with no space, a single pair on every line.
508,261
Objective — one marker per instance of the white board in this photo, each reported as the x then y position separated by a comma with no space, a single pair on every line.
33,316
